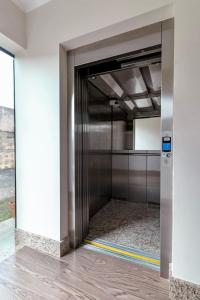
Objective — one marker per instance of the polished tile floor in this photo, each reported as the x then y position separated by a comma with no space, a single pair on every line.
129,224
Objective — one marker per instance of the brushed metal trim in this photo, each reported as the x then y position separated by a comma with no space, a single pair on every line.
84,156
63,145
167,129
128,42
71,148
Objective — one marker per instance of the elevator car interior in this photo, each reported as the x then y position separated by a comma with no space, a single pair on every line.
119,111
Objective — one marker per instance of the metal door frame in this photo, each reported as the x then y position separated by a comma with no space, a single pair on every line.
124,43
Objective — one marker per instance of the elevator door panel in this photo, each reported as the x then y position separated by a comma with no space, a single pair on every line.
100,163
99,181
120,176
137,178
153,179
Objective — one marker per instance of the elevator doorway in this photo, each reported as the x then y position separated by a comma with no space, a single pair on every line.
122,155
86,71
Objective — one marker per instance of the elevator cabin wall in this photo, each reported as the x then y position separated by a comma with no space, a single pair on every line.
115,170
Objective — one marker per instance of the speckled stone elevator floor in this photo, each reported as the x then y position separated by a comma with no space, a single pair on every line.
129,224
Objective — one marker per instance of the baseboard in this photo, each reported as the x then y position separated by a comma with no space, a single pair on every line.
183,290
43,244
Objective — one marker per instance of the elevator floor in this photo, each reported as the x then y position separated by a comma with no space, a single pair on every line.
128,224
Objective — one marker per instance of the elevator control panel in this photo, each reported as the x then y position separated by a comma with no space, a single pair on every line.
166,144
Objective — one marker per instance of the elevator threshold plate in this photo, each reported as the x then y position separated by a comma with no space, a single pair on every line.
130,254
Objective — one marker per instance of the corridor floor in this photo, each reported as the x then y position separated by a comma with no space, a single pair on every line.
81,274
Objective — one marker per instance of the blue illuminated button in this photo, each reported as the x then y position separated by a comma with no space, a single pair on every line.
166,147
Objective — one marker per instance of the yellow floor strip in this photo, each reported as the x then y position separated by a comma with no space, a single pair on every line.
123,252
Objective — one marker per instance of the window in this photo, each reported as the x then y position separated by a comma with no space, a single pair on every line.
7,150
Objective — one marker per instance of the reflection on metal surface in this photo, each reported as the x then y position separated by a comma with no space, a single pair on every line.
140,63
99,151
74,228
152,76
98,82
132,81
140,53
142,103
130,104
137,178
118,135
155,71
109,80
157,100
81,144
120,177
153,179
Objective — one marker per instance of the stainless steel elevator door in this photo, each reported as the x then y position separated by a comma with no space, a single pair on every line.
153,179
99,166
137,178
99,179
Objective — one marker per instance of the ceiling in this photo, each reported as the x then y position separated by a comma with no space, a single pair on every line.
135,90
28,5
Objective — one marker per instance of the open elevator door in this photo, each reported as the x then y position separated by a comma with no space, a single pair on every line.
129,43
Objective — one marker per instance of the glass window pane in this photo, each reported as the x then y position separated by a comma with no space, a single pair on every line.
7,156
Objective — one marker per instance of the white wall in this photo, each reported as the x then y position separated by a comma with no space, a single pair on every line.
62,20
37,143
12,25
147,134
186,209
37,102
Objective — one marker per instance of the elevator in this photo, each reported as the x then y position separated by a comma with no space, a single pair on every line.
120,111
119,92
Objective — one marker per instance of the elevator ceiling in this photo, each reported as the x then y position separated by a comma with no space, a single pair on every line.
136,90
